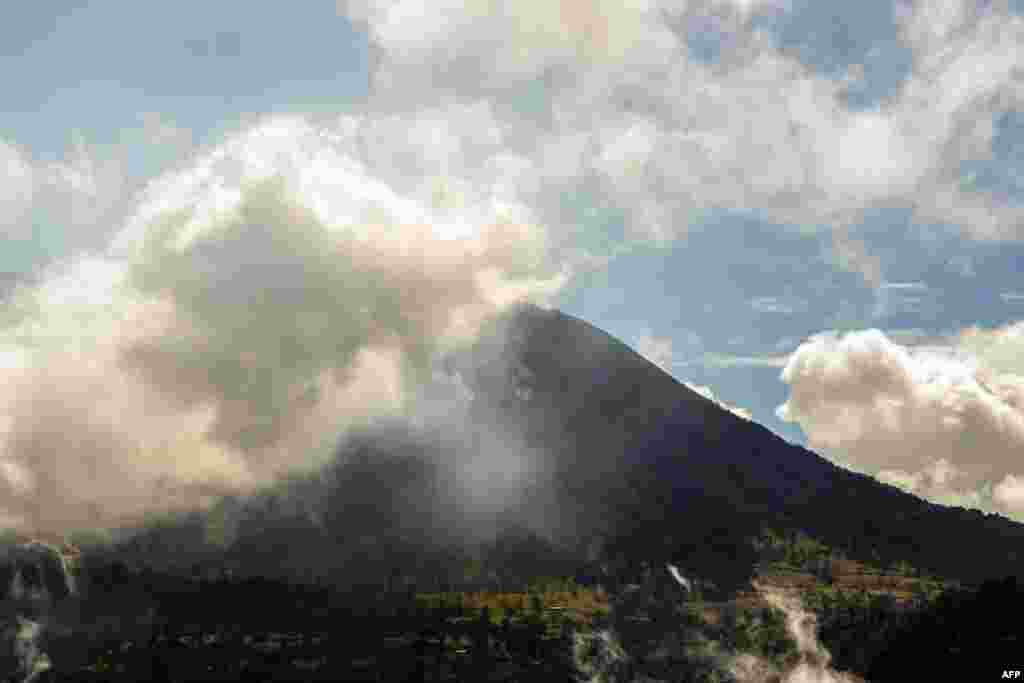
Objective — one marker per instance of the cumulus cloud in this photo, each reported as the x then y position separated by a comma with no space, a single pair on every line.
255,306
607,100
945,421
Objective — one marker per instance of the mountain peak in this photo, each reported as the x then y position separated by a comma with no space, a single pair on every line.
637,446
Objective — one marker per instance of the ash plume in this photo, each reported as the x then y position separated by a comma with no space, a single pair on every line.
257,306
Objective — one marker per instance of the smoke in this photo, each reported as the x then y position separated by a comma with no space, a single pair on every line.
255,308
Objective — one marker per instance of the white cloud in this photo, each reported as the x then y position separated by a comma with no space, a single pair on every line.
17,188
606,96
70,197
80,192
1001,349
159,130
966,72
945,421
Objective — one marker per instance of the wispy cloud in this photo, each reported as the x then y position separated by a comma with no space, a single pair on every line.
775,304
607,98
721,360
905,286
896,298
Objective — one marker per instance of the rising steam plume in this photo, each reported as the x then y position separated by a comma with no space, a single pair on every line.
34,577
602,658
813,663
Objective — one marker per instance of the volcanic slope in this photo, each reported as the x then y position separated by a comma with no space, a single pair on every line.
623,465
661,473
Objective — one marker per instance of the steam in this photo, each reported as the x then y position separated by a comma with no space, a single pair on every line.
40,577
51,573
680,579
813,663
601,657
21,637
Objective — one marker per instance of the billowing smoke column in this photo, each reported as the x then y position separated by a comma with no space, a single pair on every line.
257,306
35,577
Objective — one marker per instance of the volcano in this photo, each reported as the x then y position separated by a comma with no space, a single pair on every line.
627,466
659,472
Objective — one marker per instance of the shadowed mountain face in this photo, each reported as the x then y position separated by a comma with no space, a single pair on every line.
663,473
623,464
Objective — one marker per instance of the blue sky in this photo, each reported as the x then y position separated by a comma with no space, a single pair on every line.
813,209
